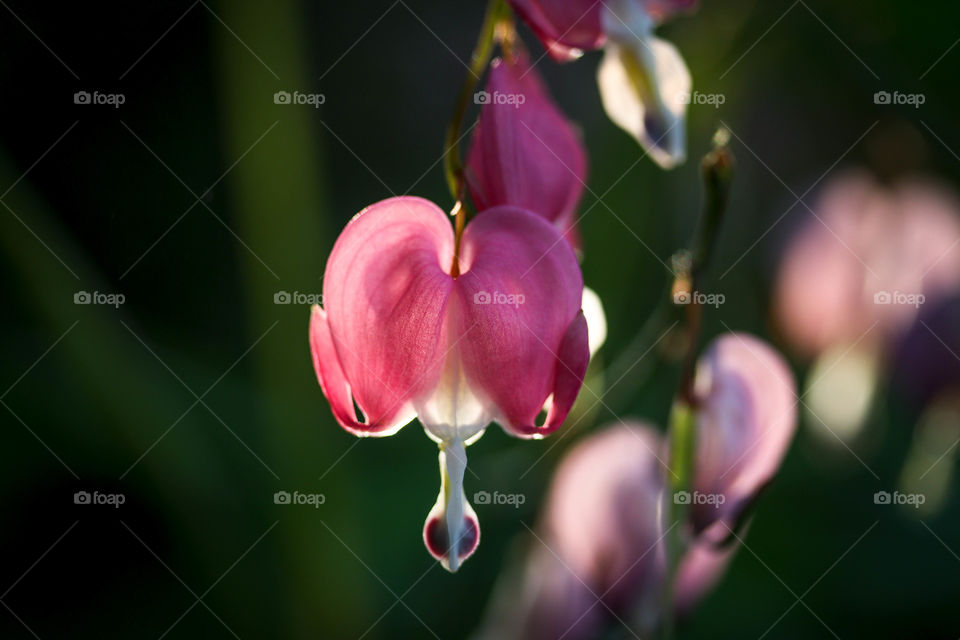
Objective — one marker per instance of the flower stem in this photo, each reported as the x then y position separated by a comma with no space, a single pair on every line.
453,170
497,12
689,266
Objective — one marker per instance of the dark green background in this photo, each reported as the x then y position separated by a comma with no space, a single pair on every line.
199,98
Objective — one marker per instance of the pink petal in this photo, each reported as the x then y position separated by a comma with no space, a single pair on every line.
526,154
385,292
603,511
747,419
565,27
700,569
517,310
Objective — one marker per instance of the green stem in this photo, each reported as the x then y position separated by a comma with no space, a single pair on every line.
452,168
689,266
717,167
683,436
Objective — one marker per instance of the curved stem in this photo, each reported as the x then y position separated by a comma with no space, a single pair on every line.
453,170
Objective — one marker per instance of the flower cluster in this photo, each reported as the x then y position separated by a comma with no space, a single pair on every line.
412,323
602,546
487,321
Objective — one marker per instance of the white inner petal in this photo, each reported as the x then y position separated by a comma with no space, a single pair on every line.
453,412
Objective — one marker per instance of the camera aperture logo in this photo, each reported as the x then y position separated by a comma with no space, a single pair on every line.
911,99
297,297
696,498
911,499
898,297
312,99
698,297
497,98
312,499
95,97
512,299
97,498
112,299
512,499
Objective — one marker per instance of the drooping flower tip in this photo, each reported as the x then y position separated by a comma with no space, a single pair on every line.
436,537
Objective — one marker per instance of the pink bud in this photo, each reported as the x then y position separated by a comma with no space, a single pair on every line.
524,152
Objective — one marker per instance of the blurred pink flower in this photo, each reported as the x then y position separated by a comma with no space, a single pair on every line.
601,549
524,151
746,421
400,337
874,256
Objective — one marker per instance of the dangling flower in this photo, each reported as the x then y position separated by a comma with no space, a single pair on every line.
644,82
524,151
414,326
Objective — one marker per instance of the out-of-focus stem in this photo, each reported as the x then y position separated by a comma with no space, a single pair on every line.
717,169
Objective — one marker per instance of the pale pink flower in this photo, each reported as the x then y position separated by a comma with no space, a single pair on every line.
873,255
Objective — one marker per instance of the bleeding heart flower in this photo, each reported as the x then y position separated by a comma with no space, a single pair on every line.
403,334
644,82
524,151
